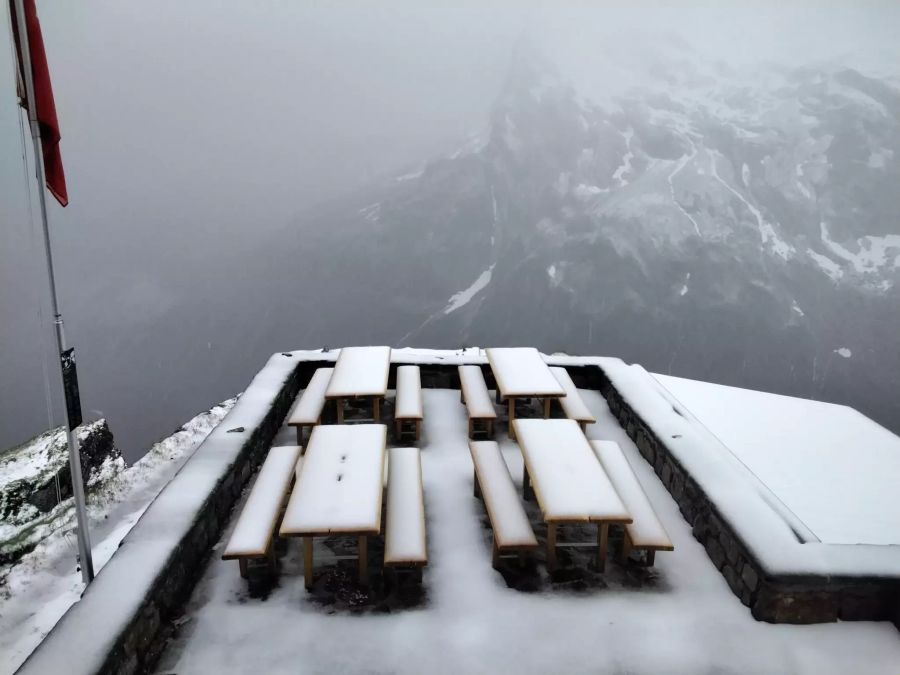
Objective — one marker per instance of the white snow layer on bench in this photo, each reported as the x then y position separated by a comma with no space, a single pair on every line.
256,524
645,529
567,476
571,403
477,399
409,394
84,636
360,371
309,406
835,469
508,518
521,371
404,538
740,499
340,486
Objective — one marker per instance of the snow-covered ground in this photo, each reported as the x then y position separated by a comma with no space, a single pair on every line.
688,621
37,590
835,469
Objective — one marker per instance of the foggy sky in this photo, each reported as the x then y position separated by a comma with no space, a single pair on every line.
191,127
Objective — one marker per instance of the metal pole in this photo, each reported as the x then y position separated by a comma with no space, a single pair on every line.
84,541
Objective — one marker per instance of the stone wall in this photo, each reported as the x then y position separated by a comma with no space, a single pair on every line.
770,597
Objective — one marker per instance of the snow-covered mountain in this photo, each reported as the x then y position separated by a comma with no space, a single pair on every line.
741,227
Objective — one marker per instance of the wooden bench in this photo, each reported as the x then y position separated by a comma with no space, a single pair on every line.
408,405
404,534
645,532
493,483
308,410
474,393
254,533
571,403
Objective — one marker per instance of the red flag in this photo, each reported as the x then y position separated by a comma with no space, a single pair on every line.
43,98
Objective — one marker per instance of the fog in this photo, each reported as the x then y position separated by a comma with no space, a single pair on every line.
193,131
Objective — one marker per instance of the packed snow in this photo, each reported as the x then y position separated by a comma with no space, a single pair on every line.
37,590
843,351
522,371
462,298
340,485
408,403
404,538
688,622
833,468
827,265
508,518
360,371
874,253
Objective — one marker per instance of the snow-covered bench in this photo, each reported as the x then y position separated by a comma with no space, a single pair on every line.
571,403
493,483
408,405
254,533
645,532
474,393
404,535
308,410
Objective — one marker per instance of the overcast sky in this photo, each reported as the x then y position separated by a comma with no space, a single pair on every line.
190,126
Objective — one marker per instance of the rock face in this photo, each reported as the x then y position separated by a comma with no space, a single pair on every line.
733,227
30,473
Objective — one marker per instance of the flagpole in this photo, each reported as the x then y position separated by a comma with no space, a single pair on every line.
84,541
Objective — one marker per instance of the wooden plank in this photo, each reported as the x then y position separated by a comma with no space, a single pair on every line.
308,409
572,403
474,393
404,538
408,404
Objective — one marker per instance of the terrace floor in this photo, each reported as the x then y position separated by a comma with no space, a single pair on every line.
680,617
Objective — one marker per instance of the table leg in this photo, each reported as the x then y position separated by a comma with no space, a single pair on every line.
512,417
363,560
602,540
339,402
547,402
551,546
626,549
308,561
376,413
242,564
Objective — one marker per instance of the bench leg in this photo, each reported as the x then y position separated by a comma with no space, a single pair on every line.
551,546
512,418
242,565
651,557
602,541
308,561
547,402
300,435
490,428
376,412
339,402
363,560
497,396
626,549
398,429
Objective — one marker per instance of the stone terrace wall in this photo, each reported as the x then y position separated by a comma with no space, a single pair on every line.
778,599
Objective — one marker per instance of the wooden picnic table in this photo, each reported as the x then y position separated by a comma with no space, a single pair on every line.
568,480
360,372
339,489
521,372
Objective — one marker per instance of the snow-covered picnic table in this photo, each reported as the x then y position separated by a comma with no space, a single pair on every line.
360,372
569,482
339,489
521,372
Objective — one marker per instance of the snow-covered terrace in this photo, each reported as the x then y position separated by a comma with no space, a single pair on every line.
679,617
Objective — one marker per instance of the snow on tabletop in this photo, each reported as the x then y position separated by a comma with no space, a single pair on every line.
341,483
572,404
360,371
472,622
308,408
766,527
475,391
645,528
834,469
508,518
521,371
409,393
253,532
84,636
567,477
404,537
